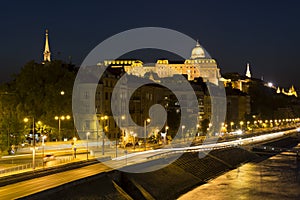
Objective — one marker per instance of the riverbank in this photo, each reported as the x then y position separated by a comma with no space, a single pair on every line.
179,177
274,178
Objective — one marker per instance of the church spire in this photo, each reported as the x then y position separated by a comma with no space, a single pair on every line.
248,73
47,49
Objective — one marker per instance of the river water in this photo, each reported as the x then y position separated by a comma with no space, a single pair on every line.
278,177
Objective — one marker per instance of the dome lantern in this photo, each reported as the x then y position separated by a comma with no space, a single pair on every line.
197,52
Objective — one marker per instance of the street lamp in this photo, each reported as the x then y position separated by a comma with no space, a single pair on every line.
120,123
87,145
231,124
182,134
145,131
33,137
134,135
103,134
74,146
43,144
241,125
166,130
59,119
197,131
248,124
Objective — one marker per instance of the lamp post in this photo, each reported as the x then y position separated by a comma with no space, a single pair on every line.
120,123
87,145
241,125
33,137
145,131
248,125
182,134
134,135
59,123
74,147
103,134
165,136
43,144
231,124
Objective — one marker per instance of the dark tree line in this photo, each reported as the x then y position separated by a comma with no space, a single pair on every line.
35,92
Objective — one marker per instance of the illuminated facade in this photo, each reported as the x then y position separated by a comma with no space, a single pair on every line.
199,65
290,92
242,83
239,82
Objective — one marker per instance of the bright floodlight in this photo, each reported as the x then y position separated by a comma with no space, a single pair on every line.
270,84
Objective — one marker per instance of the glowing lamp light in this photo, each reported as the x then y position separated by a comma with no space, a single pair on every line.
239,132
270,84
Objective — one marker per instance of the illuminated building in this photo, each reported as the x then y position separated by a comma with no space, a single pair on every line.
199,65
236,81
290,92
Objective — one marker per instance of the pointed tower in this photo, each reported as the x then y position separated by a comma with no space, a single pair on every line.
248,73
47,53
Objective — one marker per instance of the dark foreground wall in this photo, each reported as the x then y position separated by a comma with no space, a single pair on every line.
177,178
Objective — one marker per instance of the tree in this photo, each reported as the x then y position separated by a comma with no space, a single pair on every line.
37,93
11,129
204,126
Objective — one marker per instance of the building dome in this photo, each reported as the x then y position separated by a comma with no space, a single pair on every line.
197,52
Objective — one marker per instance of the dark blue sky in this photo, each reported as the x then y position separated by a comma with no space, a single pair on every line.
264,33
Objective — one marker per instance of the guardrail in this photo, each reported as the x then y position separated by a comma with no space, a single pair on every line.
38,165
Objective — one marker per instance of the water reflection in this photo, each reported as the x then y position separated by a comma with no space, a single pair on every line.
274,178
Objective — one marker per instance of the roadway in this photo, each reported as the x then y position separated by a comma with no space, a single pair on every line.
28,187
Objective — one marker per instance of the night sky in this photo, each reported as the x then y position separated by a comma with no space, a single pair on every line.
264,33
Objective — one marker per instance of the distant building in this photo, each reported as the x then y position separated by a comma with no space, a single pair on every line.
238,106
199,65
242,83
290,92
